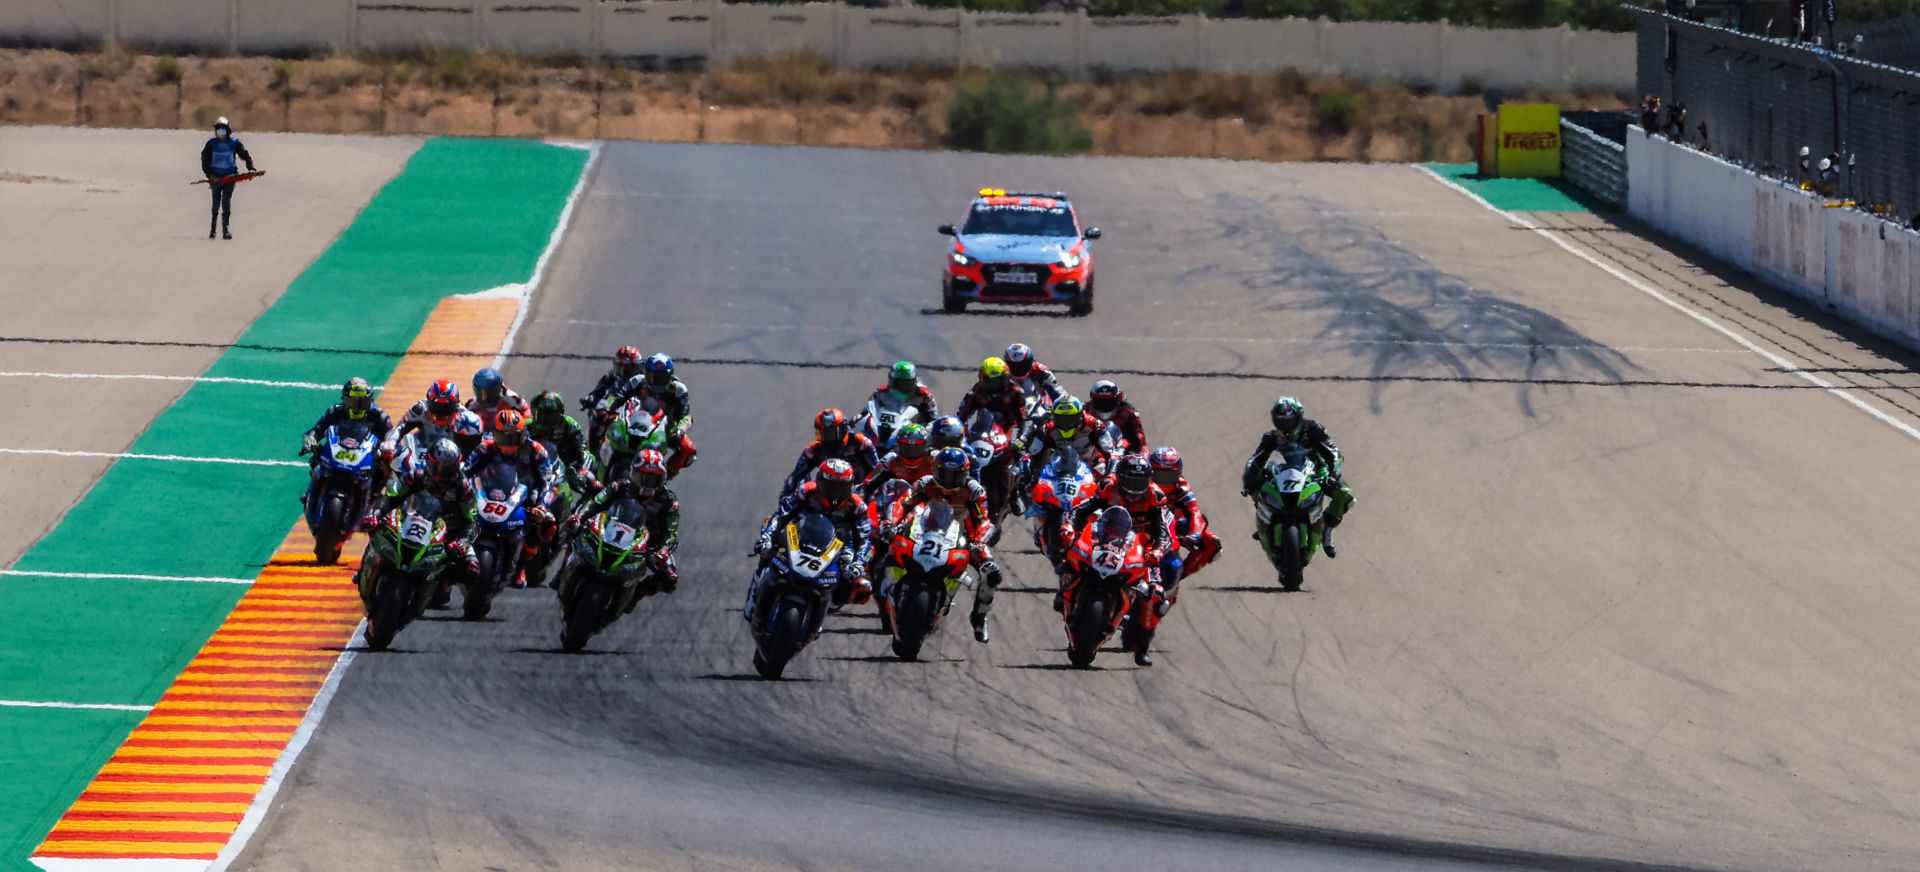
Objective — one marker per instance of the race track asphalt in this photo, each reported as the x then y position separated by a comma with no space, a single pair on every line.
1613,593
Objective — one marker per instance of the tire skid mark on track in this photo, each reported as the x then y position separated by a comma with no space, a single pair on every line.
184,783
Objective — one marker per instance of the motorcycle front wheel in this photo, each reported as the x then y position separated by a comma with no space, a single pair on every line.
1290,557
914,622
1088,626
332,531
783,640
392,594
584,613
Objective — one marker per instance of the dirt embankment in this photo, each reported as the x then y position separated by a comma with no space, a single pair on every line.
791,100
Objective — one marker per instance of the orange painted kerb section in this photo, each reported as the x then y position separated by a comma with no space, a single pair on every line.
183,780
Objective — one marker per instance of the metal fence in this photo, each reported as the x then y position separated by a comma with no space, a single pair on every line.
1596,163
1762,100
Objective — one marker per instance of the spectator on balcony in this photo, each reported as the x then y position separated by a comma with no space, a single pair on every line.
1649,115
1806,168
1677,121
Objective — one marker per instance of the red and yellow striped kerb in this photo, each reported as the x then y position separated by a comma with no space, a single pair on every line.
181,783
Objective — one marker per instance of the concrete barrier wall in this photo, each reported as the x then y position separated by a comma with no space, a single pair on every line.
282,26
665,29
1867,269
1427,54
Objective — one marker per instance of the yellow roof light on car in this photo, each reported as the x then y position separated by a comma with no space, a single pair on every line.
993,192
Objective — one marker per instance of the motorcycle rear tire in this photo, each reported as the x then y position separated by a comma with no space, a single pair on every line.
585,614
1291,556
392,594
914,622
1088,626
332,532
783,641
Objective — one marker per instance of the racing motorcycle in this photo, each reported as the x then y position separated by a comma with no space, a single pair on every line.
885,414
993,455
341,486
400,570
410,453
543,568
1061,486
1289,512
605,571
883,515
641,425
501,502
1109,580
930,558
787,601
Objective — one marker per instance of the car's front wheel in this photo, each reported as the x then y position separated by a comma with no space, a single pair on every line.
953,304
1083,304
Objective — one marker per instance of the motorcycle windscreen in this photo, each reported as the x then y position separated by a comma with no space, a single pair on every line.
1114,525
936,519
816,534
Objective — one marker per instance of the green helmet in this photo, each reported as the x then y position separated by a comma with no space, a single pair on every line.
904,379
549,410
1288,415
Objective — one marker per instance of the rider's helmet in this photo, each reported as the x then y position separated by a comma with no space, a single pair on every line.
549,411
659,369
904,379
443,461
1105,398
222,127
509,432
1019,360
947,432
835,483
649,473
950,468
486,386
1288,415
357,396
911,442
1067,417
830,427
993,375
1167,467
626,362
1133,476
443,402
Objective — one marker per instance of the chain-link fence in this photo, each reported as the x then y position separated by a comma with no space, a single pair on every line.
1759,101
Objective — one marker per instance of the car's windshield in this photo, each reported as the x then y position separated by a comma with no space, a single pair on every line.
1020,221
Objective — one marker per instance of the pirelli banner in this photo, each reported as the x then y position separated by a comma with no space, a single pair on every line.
1528,140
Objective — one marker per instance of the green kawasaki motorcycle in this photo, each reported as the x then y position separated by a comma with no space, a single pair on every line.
401,568
605,572
1289,512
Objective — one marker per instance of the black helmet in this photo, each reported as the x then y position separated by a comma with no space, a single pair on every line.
1134,475
950,468
1105,398
443,460
947,432
1288,415
549,410
911,442
357,396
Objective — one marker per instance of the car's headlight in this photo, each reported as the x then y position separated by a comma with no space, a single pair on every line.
1070,260
963,260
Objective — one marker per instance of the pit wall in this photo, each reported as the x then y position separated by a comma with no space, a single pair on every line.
1429,54
1865,268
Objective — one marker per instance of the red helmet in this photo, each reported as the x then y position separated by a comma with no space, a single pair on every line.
1166,466
509,432
835,482
626,362
649,472
830,427
443,401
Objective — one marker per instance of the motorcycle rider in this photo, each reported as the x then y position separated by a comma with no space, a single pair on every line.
1202,546
438,416
903,382
1070,426
1291,426
656,382
551,424
1033,377
947,432
1131,487
833,439
509,444
491,396
626,365
996,394
441,477
829,494
356,404
646,483
910,460
968,499
1109,406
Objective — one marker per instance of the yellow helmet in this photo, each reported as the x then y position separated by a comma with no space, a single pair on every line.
1067,415
993,368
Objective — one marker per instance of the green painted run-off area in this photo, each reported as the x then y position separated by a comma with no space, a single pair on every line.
1518,195
463,216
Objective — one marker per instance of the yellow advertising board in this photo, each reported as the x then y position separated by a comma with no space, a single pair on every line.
1529,140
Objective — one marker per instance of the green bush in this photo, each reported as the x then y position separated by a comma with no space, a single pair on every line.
1002,113
166,69
1335,111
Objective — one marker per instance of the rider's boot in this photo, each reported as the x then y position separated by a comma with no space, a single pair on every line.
1142,640
1326,539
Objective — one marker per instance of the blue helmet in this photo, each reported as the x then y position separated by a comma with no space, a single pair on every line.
947,432
486,386
659,368
950,467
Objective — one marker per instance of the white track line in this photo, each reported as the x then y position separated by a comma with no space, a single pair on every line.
22,703
1248,340
207,379
211,579
54,452
278,774
78,864
1784,364
553,245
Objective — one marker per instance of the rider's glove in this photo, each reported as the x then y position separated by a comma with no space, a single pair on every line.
308,444
586,403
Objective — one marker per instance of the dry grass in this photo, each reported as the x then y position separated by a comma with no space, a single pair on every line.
789,99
